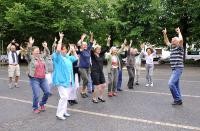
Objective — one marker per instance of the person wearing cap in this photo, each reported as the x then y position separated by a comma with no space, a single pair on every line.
97,75
112,67
13,63
84,62
176,61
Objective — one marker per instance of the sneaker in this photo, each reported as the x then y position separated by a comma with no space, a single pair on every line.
36,111
110,94
84,95
147,85
177,102
75,101
42,108
151,84
67,115
10,86
16,85
101,100
137,83
94,101
114,94
119,90
61,118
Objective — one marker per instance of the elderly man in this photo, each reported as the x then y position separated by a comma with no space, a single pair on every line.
13,67
176,61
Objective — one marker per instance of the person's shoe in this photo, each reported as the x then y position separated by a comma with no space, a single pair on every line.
177,102
16,85
84,95
10,86
101,100
36,111
42,108
151,84
147,85
114,94
94,101
137,83
119,90
130,87
67,115
110,94
75,101
70,102
61,118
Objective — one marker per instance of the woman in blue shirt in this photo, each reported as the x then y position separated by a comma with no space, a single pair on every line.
63,77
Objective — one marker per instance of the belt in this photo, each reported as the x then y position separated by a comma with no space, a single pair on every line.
13,64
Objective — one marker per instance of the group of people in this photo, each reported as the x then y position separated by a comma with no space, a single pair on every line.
68,64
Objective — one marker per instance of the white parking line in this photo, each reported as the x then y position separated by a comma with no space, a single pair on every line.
114,116
142,92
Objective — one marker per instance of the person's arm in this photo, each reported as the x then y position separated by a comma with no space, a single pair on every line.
74,56
8,47
103,51
46,49
180,37
29,49
91,41
54,45
121,49
58,49
166,40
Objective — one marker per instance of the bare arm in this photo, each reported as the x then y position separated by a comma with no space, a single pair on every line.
180,37
166,40
60,42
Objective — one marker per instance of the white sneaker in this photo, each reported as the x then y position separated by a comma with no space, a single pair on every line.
147,85
16,85
67,115
151,85
61,117
10,86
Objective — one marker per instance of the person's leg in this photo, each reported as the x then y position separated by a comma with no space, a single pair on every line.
137,73
44,86
131,77
110,83
175,76
115,78
151,75
147,75
89,86
35,85
84,76
17,73
62,104
101,90
119,81
10,75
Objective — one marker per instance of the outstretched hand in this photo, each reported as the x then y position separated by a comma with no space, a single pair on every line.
164,31
44,44
30,41
61,34
178,30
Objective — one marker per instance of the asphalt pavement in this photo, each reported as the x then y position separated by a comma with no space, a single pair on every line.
140,109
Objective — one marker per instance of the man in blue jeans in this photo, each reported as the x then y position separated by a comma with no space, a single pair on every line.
176,61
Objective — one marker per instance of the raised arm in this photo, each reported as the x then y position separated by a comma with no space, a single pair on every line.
29,48
61,35
166,40
46,49
54,45
179,36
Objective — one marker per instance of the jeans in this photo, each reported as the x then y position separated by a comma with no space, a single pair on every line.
37,84
149,73
119,81
174,83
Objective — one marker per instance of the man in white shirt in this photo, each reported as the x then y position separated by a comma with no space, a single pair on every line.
13,65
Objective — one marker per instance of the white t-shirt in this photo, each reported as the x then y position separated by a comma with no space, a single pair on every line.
10,59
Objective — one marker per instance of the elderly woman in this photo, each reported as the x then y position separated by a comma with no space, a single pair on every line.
113,65
63,76
36,73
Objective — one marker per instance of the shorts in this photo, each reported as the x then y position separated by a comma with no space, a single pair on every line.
97,78
13,70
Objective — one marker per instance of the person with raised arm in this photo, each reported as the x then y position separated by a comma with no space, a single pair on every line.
63,76
149,55
112,68
176,61
13,63
85,62
36,72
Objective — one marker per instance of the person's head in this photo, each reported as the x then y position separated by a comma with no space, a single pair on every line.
113,50
175,41
84,45
64,49
35,51
97,49
149,51
133,51
13,48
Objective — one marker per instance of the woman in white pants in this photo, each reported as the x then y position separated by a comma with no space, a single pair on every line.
63,77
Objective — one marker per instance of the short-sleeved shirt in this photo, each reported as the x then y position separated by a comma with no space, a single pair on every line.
10,59
176,57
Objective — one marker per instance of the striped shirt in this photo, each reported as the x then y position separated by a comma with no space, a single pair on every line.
176,57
